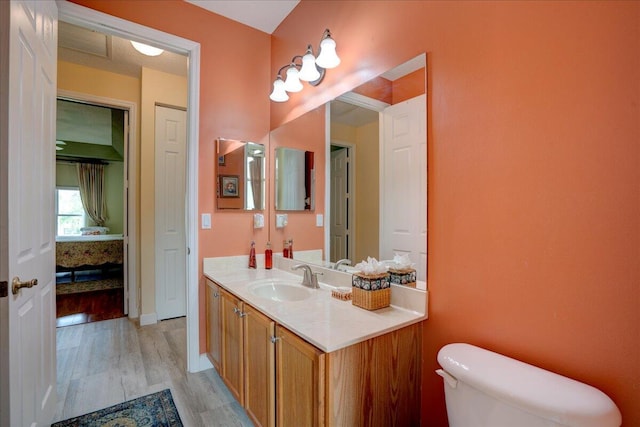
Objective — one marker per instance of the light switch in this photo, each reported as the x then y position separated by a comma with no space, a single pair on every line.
319,220
206,221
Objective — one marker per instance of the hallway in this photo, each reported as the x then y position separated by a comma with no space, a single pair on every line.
104,363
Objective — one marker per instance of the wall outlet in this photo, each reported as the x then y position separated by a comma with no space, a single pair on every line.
281,220
258,220
319,220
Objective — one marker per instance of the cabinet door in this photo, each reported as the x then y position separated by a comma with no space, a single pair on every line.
299,381
213,323
259,367
232,345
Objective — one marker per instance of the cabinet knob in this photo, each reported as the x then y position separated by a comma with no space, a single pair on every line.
216,295
274,339
241,313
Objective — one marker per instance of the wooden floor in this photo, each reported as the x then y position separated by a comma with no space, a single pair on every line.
104,363
85,307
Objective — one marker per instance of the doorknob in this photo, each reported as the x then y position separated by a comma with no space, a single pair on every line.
16,284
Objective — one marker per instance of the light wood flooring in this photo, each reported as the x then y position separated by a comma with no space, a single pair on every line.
104,363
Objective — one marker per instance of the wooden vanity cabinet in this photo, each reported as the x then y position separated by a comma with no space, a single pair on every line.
300,391
232,344
213,323
259,367
282,380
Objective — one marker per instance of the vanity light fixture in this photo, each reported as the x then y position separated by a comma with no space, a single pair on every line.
145,49
306,68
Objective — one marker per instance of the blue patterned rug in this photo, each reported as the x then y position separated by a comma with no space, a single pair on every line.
153,410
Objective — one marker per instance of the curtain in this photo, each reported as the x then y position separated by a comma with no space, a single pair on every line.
91,182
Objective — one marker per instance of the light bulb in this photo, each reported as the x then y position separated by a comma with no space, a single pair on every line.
292,83
328,58
146,49
309,72
279,94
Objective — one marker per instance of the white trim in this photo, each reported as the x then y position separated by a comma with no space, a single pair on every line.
363,101
130,159
380,174
205,363
148,319
85,17
327,179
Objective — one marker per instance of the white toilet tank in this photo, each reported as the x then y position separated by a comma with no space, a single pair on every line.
487,389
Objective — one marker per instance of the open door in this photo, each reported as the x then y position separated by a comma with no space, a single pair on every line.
27,162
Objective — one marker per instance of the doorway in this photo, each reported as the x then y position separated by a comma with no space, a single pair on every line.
100,22
342,218
91,261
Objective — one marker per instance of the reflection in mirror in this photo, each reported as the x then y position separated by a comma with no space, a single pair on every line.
294,180
240,174
377,173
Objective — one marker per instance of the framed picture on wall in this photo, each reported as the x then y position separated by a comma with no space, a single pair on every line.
229,185
220,160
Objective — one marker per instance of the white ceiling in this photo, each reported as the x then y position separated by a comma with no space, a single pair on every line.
265,15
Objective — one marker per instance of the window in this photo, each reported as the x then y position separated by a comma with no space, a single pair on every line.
70,216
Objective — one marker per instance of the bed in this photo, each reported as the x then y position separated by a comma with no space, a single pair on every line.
88,252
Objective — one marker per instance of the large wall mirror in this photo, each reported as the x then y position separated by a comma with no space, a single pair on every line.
375,169
240,177
294,179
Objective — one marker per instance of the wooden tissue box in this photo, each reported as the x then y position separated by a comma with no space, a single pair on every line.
371,292
405,277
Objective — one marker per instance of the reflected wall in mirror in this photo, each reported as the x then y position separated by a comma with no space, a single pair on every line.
377,173
294,179
240,174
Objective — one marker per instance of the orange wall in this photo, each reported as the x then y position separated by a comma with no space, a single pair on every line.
409,86
234,68
534,165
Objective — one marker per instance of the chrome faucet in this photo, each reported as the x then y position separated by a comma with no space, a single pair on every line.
340,262
310,279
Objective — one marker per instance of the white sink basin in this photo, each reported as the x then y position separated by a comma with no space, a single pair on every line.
280,290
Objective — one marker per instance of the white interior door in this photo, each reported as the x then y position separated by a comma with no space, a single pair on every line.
170,202
403,225
28,347
341,240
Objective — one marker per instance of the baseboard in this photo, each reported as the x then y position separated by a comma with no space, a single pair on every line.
204,363
148,319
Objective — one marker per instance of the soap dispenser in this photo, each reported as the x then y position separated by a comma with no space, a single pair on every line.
285,249
290,255
252,255
268,257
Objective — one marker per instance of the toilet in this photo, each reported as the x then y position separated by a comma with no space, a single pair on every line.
487,389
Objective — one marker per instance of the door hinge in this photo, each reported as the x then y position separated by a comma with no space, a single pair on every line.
4,289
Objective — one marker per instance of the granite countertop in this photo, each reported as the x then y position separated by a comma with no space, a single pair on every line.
326,322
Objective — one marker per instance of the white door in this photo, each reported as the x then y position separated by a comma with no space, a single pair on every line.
341,240
170,209
404,183
27,333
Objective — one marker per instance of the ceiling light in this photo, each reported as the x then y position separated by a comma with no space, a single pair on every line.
146,49
307,68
